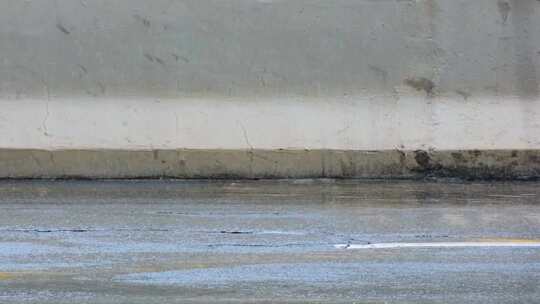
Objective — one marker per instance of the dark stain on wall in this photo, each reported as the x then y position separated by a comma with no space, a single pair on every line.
62,28
504,9
421,84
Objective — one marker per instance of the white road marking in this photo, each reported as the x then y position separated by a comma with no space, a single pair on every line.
526,244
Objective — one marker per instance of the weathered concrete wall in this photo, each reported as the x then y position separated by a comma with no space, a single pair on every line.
257,164
163,48
344,75
357,123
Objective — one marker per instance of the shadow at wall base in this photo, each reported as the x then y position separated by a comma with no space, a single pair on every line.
269,164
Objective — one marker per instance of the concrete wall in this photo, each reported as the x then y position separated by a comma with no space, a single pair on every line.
267,75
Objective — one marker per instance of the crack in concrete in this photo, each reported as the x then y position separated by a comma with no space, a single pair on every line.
236,232
47,112
246,137
44,123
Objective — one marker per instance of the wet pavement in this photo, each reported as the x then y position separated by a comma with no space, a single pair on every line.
269,241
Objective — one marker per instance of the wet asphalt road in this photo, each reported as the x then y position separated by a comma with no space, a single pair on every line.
266,241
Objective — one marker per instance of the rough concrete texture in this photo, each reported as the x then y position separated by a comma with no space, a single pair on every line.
258,164
166,48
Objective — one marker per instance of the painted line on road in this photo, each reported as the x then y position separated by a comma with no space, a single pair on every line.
511,244
6,276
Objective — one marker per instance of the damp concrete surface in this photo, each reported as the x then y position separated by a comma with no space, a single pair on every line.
267,241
